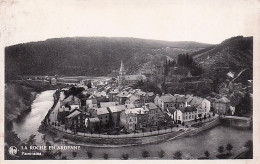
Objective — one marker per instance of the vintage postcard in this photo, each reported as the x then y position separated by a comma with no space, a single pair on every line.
129,80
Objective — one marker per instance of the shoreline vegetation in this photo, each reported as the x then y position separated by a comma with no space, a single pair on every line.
18,100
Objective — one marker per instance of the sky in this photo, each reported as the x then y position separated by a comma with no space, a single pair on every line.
197,20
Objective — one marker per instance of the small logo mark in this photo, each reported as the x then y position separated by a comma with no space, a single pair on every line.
12,150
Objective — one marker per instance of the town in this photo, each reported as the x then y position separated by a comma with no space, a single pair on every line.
117,106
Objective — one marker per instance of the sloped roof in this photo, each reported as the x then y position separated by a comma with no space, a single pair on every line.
123,94
133,98
196,101
135,77
73,114
136,111
117,108
178,98
223,100
167,98
94,119
107,104
99,94
150,94
151,105
102,110
140,93
130,106
187,109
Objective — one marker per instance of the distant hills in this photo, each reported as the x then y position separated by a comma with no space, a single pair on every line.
101,56
90,56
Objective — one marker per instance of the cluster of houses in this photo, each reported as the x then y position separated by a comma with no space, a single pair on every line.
117,106
129,110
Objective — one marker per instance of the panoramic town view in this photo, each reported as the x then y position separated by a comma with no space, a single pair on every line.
149,107
128,80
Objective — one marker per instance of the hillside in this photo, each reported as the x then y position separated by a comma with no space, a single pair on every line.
89,56
234,54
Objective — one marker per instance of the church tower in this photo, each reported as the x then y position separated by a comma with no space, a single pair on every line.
121,77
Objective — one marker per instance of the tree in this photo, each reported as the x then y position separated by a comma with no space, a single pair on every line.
244,106
207,154
249,145
158,128
140,83
220,149
145,154
161,154
125,156
105,156
89,85
89,154
74,154
64,157
143,130
59,153
177,155
229,147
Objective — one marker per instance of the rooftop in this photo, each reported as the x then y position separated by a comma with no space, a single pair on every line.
135,77
136,111
101,111
117,108
151,105
107,104
73,114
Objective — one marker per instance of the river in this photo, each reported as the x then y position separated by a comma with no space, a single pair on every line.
191,147
29,124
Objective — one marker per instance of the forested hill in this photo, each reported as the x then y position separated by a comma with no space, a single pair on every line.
90,56
234,54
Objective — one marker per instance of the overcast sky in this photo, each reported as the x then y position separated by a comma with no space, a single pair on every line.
209,21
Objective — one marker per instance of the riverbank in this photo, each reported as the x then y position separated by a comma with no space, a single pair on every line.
18,100
101,140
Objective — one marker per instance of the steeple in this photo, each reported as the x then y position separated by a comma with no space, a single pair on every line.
121,77
122,68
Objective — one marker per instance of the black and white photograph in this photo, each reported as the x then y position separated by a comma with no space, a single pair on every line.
129,80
